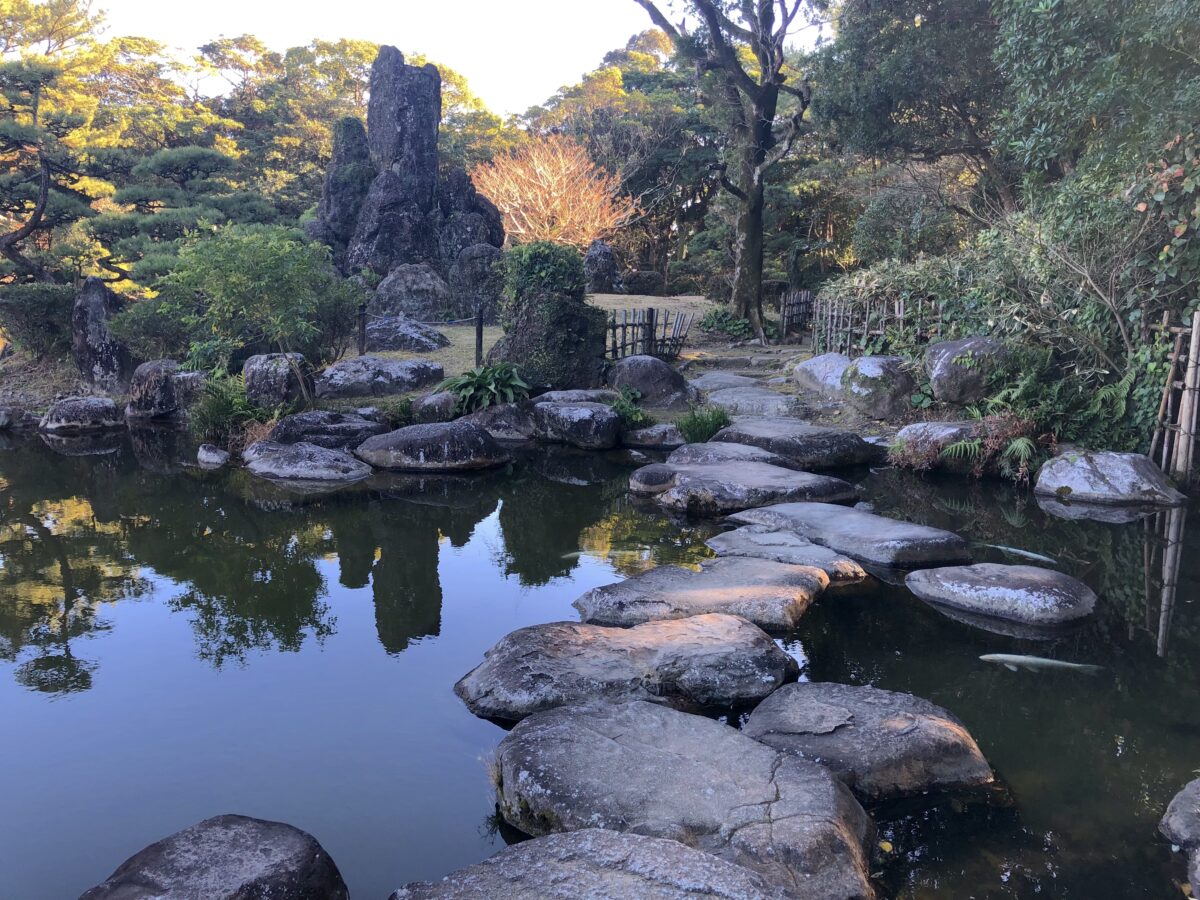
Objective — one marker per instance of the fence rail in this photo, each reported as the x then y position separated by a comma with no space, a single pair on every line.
795,312
652,332
842,327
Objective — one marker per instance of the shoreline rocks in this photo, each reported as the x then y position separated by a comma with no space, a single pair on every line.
959,370
303,463
152,391
1025,594
588,426
1106,478
374,376
879,386
805,446
658,384
78,415
457,446
1181,826
718,488
823,374
333,430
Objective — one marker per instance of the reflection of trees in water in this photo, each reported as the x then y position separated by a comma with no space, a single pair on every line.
636,536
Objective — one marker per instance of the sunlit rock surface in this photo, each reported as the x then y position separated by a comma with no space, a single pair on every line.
761,542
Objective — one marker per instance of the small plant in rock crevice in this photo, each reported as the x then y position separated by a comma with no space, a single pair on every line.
699,425
224,415
625,406
486,386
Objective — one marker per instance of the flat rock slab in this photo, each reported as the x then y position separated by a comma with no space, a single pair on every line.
662,436
1025,594
761,542
227,858
805,446
303,462
716,381
704,661
861,535
880,743
374,376
506,421
715,489
756,401
772,595
594,864
724,451
579,395
434,447
1106,478
644,768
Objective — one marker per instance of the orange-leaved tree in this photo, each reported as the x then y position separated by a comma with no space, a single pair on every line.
549,189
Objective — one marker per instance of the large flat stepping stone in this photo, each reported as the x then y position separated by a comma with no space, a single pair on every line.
1106,478
862,535
303,462
716,381
772,595
594,864
227,858
1026,594
724,451
660,436
805,446
705,661
761,542
756,401
644,768
718,488
880,743
436,447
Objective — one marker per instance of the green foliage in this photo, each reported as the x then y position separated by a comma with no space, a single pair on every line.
485,386
222,413
1169,197
724,321
538,269
900,224
702,422
626,406
37,317
396,411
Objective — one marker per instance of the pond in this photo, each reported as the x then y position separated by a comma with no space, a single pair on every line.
175,645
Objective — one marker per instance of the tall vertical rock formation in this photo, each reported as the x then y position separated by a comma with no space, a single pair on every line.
423,235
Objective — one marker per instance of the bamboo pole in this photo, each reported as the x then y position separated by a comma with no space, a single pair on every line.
1185,444
1172,556
1164,403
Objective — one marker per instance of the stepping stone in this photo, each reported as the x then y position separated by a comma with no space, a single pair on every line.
865,536
720,452
303,462
1025,594
880,743
1181,826
823,374
756,401
720,488
227,858
655,771
1106,478
505,421
436,447
705,661
599,864
588,426
325,429
760,542
772,595
805,446
716,381
663,436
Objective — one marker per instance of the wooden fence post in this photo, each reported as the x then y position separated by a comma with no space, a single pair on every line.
648,333
478,336
362,329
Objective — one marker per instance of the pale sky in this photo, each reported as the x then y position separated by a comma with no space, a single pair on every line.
514,53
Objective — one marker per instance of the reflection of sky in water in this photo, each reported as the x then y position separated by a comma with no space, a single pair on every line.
297,664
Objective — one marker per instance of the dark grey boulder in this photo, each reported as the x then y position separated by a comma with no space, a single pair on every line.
401,332
880,743
693,663
558,340
725,452
477,283
272,379
211,457
589,426
189,386
772,595
227,858
103,361
1181,826
761,542
715,381
440,447
11,416
595,864
74,415
374,376
879,386
711,489
661,436
325,429
804,446
415,290
347,181
1106,478
823,374
601,268
862,535
506,421
152,393
959,370
756,401
440,406
1024,594
303,462
652,770
659,384
582,395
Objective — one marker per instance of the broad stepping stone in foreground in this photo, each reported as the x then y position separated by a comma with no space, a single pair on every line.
703,661
880,743
644,768
771,595
712,489
761,542
805,446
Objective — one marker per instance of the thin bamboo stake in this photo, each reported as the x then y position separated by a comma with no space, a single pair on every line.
1185,445
1164,403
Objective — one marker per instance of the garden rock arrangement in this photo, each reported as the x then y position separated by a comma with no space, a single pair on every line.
1181,826
442,447
880,743
646,768
659,385
374,376
211,457
715,381
661,436
76,415
271,379
1025,594
823,374
227,858
716,452
1106,478
702,661
879,386
717,488
589,426
755,401
804,446
601,268
152,393
596,863
959,370
761,542
862,535
103,361
401,332
772,595
325,429
303,463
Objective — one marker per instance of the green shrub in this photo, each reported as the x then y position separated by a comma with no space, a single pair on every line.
900,224
724,321
222,414
540,268
486,385
37,317
154,329
625,406
702,422
397,412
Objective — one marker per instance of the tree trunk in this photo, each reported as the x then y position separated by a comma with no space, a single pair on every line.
748,243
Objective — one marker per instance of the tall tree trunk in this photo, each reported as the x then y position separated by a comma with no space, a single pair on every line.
748,261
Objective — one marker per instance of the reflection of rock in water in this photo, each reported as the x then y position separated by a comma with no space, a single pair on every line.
161,449
97,444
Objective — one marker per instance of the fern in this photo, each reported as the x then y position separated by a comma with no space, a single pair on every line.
969,448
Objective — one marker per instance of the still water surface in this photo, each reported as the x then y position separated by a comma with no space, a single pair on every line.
176,645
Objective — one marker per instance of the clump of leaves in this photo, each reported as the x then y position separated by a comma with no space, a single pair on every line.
702,422
625,406
397,412
923,398
486,386
722,320
223,415
1003,444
